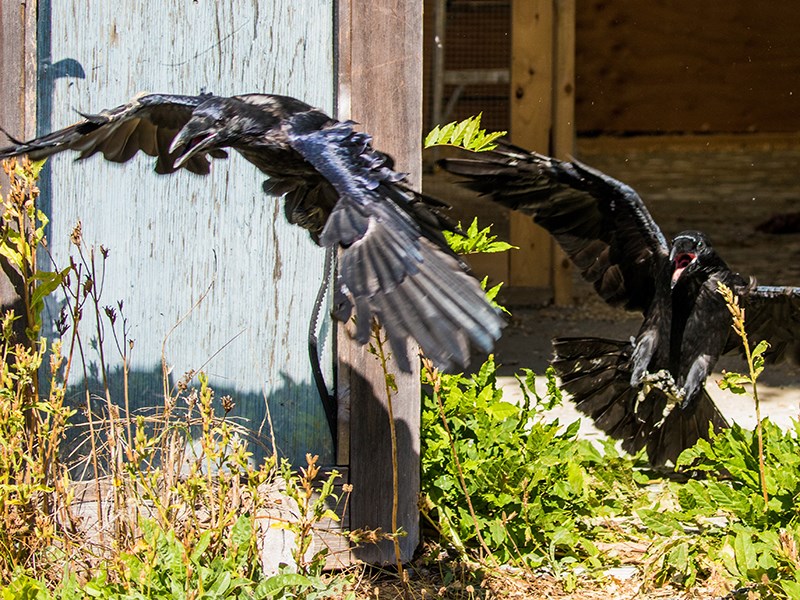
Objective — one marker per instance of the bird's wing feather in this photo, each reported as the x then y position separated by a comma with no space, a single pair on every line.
394,263
600,222
772,313
147,123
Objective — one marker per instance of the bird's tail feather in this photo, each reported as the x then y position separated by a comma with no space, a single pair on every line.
682,428
597,373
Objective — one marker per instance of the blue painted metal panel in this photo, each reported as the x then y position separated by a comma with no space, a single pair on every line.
173,237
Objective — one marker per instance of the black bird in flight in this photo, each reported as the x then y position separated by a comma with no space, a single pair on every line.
394,263
649,391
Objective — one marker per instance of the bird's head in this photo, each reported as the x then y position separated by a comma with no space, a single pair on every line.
208,129
688,254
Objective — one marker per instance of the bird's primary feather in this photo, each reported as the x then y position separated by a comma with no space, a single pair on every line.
600,223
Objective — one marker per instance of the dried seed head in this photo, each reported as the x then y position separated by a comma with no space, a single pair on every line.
61,321
183,382
77,234
227,404
191,399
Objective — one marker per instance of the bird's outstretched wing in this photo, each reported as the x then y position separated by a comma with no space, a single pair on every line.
772,314
394,262
148,123
600,222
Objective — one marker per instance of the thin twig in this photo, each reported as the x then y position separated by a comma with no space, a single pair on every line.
381,354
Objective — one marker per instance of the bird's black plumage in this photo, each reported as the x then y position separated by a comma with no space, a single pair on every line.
394,262
648,392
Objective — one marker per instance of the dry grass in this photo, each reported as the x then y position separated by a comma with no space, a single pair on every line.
474,582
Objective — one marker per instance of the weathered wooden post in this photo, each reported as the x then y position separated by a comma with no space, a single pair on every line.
18,110
380,86
542,108
174,240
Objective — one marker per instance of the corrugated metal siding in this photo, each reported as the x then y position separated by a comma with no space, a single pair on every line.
171,237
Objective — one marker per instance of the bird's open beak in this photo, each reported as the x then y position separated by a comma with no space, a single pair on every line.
187,144
680,262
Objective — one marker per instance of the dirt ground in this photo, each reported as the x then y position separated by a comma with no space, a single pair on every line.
721,186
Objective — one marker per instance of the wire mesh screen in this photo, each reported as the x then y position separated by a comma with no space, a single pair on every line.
467,60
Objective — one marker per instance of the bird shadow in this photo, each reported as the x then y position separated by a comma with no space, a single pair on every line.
296,423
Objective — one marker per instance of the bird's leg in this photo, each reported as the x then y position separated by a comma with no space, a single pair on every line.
663,381
644,348
695,379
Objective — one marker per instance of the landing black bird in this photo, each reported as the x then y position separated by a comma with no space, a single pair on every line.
649,391
394,262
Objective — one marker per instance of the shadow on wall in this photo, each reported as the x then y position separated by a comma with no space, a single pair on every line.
370,469
296,432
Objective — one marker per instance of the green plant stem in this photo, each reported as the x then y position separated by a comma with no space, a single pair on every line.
762,470
738,315
126,397
457,463
376,333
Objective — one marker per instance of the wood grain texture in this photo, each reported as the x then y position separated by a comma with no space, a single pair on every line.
531,115
172,238
18,65
671,66
18,114
563,142
380,86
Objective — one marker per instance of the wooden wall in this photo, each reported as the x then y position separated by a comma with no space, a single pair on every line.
18,65
174,238
725,66
380,87
211,275
18,115
677,66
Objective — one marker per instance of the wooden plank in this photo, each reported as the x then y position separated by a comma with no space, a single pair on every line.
18,117
380,83
276,543
563,128
531,117
174,238
475,76
18,64
494,266
716,66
